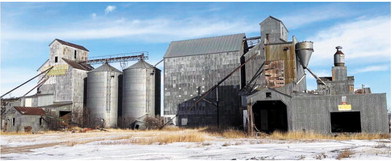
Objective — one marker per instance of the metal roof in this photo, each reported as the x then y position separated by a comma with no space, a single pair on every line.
271,17
141,64
69,44
76,65
209,45
30,110
106,68
57,104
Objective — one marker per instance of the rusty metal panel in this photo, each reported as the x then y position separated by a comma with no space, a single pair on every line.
274,73
285,52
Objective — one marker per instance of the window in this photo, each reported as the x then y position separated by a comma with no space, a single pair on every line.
75,54
40,121
13,121
56,59
282,31
268,94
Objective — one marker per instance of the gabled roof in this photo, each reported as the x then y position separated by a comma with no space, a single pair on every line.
141,64
30,110
218,44
77,65
69,44
271,17
106,68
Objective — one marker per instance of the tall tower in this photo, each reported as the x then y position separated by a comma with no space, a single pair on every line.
339,71
273,30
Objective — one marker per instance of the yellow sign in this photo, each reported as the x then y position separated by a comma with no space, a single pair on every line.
57,70
344,107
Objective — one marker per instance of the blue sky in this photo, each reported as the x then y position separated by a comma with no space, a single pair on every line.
363,29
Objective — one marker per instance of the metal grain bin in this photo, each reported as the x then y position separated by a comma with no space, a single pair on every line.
141,93
102,96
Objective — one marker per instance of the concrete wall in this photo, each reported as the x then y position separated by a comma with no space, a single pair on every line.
78,77
67,52
63,87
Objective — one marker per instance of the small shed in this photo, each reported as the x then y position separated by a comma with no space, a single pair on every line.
25,119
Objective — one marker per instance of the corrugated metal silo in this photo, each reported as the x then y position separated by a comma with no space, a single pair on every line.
102,96
141,93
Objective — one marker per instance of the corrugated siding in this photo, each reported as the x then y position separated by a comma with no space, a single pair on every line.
312,112
210,45
184,75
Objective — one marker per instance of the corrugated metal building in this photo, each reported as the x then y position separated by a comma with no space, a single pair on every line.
191,67
272,86
281,109
333,107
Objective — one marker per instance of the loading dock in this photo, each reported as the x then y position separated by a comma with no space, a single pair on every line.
346,121
270,116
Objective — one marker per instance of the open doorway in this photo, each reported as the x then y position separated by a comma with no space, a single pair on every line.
346,121
65,116
270,116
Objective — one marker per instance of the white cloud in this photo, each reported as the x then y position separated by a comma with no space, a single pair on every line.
109,9
307,16
363,40
374,68
94,15
150,30
11,77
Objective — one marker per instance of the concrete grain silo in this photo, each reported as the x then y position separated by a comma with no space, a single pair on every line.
141,94
102,96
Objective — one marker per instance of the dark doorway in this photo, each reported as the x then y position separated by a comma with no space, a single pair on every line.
345,121
63,113
270,116
65,116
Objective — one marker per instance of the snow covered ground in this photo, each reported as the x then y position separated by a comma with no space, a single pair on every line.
113,146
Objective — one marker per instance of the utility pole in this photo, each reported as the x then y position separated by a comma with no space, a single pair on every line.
217,106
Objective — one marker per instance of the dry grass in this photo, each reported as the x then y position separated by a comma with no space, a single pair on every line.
187,137
226,133
296,135
233,134
160,138
344,154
